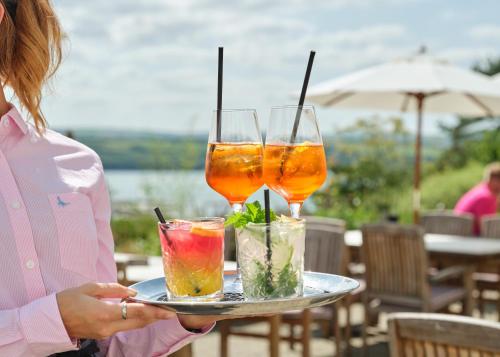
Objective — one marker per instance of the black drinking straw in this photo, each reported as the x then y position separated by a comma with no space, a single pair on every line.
302,97
162,220
267,207
160,215
219,92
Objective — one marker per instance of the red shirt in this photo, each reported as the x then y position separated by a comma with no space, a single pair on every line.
479,201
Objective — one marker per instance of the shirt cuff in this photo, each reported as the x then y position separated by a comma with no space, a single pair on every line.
43,328
176,332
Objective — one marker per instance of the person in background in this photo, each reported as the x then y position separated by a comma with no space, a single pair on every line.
58,289
482,200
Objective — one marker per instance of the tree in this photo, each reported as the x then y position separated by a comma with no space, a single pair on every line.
372,157
472,137
490,66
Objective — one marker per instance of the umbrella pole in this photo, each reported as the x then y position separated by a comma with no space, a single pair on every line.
418,148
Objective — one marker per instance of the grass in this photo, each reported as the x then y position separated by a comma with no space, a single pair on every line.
440,190
137,233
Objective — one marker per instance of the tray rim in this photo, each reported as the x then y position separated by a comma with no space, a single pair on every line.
186,303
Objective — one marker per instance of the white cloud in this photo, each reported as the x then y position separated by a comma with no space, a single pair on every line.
466,55
365,35
151,64
485,32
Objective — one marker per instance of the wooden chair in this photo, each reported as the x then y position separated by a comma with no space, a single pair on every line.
490,226
312,221
396,274
225,327
447,222
438,335
229,244
325,252
186,351
487,277
355,269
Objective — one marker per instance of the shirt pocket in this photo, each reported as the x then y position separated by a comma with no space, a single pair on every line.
76,232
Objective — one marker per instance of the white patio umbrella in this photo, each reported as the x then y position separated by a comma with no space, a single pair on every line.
414,84
496,78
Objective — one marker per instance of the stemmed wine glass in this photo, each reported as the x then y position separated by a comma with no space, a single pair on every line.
294,157
233,165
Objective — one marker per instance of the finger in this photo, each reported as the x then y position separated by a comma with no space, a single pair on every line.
107,290
138,316
128,324
147,312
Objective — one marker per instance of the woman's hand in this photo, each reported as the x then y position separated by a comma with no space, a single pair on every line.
85,315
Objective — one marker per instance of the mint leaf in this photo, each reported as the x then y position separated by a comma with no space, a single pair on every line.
287,278
262,284
233,219
254,213
253,210
237,219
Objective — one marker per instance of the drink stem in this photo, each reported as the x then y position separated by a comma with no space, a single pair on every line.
295,209
237,207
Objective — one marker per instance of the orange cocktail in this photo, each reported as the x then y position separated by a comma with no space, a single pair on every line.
234,169
294,171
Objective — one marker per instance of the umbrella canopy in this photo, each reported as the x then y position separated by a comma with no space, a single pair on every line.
496,78
416,83
392,86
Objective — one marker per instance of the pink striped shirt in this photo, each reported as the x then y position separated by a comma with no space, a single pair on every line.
55,234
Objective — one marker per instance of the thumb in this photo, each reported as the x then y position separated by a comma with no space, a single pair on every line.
107,290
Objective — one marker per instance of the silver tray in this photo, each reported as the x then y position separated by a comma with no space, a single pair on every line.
319,289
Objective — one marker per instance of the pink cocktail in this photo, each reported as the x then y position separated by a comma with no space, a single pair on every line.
193,257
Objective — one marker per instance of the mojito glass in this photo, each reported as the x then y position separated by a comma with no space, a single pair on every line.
193,257
279,274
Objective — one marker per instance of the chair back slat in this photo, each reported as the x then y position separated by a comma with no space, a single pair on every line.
418,334
395,261
325,250
312,221
229,244
490,226
447,222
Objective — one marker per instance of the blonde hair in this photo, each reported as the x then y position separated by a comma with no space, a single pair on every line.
30,52
492,170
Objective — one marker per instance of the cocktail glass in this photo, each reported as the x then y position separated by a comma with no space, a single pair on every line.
294,167
193,257
280,274
233,165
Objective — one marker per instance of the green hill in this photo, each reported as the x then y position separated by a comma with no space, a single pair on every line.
130,150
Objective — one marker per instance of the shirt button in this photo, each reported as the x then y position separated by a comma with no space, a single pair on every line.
30,264
15,205
6,122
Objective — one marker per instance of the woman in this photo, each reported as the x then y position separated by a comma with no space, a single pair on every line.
55,236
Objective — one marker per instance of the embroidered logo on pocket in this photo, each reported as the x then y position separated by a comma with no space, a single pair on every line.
61,203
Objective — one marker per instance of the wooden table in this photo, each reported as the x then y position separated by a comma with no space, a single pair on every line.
448,250
459,249
126,260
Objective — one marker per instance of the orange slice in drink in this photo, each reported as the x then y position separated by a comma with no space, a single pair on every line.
204,232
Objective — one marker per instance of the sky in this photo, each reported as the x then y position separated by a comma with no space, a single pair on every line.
152,64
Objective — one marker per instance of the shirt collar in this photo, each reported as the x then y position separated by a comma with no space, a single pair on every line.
16,118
